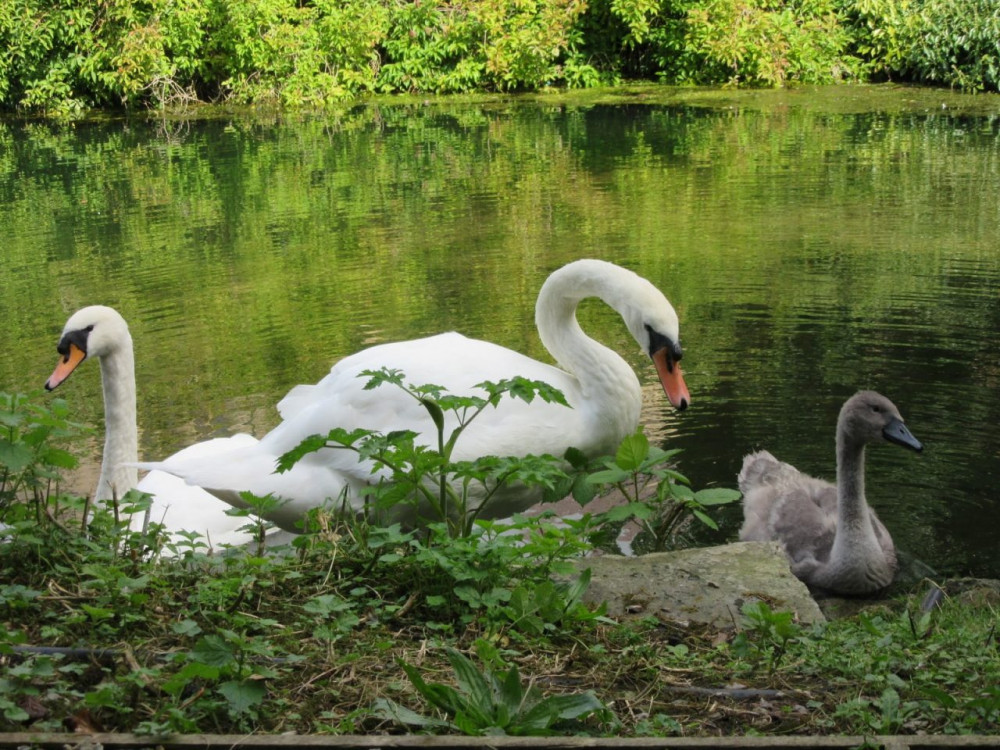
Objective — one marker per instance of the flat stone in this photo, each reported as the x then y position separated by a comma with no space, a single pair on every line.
704,586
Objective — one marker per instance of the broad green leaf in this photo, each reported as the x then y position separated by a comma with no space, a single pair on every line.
578,588
242,694
609,476
576,458
471,682
627,511
443,697
632,452
511,692
717,496
14,456
212,650
574,706
583,490
60,458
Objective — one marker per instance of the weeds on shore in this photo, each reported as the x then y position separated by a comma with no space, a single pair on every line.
360,628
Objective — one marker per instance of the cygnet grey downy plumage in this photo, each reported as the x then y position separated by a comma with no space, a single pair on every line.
833,540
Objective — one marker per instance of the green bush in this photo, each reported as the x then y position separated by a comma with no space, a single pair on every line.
947,42
957,43
460,46
752,42
64,56
68,55
293,53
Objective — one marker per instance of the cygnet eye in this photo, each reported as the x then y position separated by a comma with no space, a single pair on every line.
876,408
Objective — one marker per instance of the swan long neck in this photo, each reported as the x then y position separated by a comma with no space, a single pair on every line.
852,508
121,437
608,388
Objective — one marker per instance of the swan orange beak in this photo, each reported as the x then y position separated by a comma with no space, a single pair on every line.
66,365
674,386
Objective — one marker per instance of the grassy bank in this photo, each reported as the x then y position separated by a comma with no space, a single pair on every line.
359,628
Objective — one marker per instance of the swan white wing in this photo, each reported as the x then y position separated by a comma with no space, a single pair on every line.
451,361
455,363
179,506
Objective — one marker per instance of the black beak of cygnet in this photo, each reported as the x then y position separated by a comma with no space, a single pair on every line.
896,432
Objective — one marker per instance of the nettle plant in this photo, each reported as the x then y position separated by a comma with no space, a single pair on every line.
426,477
657,497
31,459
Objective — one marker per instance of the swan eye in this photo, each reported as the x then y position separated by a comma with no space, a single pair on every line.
876,408
89,328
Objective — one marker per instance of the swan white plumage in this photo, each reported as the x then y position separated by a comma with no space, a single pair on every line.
833,539
603,392
101,332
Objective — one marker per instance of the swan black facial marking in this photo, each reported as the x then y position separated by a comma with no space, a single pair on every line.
658,341
78,338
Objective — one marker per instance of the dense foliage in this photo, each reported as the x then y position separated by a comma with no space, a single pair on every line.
370,629
63,56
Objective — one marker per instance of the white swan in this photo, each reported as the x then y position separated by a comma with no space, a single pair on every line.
833,540
600,386
100,332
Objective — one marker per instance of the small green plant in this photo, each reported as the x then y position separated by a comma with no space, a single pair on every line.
771,630
489,704
31,461
424,477
658,497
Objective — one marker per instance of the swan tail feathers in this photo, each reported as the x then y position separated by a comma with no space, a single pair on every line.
297,399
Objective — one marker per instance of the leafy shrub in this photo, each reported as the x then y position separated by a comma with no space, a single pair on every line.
67,55
881,32
951,42
294,53
762,42
459,46
957,44
30,459
755,42
658,498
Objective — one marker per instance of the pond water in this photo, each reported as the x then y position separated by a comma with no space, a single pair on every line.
814,242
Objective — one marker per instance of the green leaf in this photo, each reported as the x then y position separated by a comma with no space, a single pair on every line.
388,709
212,650
705,519
511,692
14,456
435,411
576,458
583,490
609,476
60,458
472,682
242,694
574,706
632,452
627,511
717,496
441,696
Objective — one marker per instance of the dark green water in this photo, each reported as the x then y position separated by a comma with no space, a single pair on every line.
814,242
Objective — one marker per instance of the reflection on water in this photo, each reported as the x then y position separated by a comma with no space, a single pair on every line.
813,245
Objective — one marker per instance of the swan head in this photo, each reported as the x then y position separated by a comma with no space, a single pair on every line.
94,331
869,417
653,322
